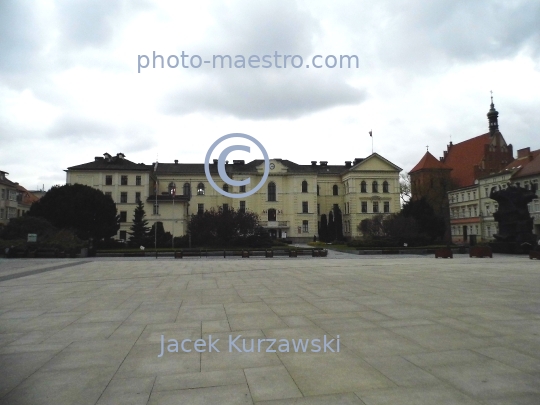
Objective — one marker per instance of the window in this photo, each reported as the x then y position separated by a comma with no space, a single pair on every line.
364,206
242,189
487,209
123,216
335,190
200,189
486,190
271,191
386,206
375,187
305,226
155,211
108,180
1,212
225,207
375,206
304,187
200,208
171,189
186,189
137,197
226,188
318,189
305,207
3,194
271,215
363,187
385,187
123,235
474,195
123,197
242,206
137,180
124,180
318,209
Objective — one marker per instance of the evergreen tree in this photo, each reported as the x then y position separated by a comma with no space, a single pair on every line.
331,227
139,229
338,219
323,229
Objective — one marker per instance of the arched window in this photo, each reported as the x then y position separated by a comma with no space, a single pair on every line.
375,187
271,214
363,187
304,187
272,191
385,187
187,189
335,189
226,187
318,189
172,188
200,189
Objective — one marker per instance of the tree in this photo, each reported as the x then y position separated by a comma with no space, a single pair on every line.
372,227
338,220
331,227
224,228
20,227
428,222
405,187
163,238
323,229
139,229
89,212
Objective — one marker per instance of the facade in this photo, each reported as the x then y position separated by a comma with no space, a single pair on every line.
462,166
15,200
289,204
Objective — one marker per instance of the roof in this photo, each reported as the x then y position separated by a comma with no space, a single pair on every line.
464,156
529,166
114,163
430,162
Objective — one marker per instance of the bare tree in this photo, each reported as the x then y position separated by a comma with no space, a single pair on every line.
404,187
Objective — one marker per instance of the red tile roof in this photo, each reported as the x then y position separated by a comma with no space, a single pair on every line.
463,156
529,167
429,162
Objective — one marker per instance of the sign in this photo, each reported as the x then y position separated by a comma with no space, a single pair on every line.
32,237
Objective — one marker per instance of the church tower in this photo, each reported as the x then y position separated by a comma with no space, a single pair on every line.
493,118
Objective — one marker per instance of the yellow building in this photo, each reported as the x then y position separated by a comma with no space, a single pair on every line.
15,200
289,204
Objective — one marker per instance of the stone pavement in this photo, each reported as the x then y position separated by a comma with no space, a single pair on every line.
413,330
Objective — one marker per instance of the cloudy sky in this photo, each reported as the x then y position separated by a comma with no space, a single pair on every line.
70,87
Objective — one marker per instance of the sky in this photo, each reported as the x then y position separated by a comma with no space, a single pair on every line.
71,87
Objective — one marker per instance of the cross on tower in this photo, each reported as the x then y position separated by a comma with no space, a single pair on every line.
427,148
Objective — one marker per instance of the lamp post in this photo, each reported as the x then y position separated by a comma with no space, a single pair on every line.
173,193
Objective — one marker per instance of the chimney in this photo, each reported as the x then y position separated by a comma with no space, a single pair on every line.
215,161
313,163
175,161
120,155
357,160
323,163
238,162
348,164
98,158
521,153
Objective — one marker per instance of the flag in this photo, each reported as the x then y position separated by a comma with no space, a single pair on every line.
370,134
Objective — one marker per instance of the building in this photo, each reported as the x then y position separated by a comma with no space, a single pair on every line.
455,180
15,200
289,204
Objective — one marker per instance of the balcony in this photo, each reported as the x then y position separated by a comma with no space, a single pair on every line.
274,224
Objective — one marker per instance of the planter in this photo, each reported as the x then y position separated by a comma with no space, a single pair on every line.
245,253
293,253
534,254
269,253
480,251
445,253
178,255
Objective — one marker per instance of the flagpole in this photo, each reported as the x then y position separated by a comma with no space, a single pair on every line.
371,136
174,194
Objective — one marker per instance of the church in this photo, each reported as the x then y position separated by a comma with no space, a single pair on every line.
452,183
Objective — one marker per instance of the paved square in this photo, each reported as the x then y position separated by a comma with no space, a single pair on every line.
412,329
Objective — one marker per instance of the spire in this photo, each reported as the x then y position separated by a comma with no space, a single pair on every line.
493,115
